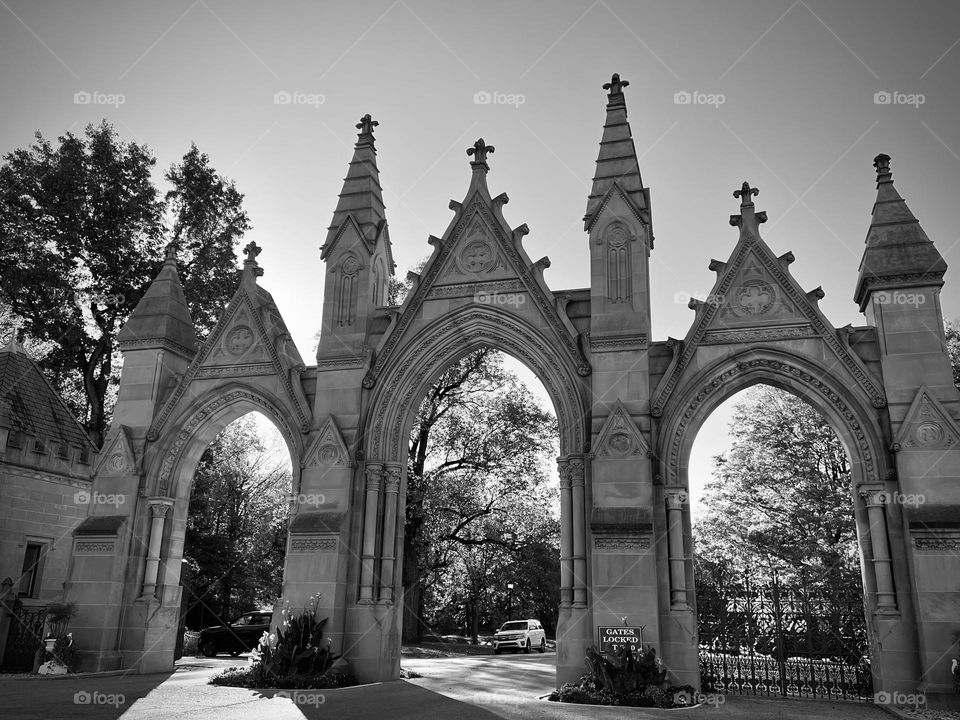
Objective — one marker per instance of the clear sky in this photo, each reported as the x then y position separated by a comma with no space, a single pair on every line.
799,119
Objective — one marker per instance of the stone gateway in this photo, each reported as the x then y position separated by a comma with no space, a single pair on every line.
628,409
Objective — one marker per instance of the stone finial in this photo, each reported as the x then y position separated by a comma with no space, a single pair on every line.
366,125
745,193
479,151
250,263
616,85
882,163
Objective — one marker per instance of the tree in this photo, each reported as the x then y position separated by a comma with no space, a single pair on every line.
81,234
780,499
236,533
476,482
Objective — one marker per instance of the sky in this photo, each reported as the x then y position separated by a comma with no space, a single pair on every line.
790,95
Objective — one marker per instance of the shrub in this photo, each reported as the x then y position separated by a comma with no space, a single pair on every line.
63,652
295,657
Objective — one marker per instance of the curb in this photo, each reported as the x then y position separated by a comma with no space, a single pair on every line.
543,698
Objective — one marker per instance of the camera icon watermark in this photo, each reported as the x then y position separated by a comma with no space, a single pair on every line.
96,697
301,697
898,297
494,97
914,700
84,497
899,498
684,97
896,97
685,298
515,300
84,97
295,97
686,698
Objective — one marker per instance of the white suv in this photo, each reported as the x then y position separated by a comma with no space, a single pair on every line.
519,635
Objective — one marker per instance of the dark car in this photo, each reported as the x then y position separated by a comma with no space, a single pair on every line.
240,636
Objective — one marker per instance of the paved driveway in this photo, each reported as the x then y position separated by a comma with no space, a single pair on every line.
462,688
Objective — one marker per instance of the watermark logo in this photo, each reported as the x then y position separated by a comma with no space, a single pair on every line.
684,298
108,299
494,298
83,497
98,698
686,698
898,297
311,499
299,697
684,97
884,97
496,699
494,97
83,97
914,700
899,498
295,97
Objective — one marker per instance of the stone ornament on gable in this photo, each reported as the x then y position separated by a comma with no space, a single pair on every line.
239,340
927,425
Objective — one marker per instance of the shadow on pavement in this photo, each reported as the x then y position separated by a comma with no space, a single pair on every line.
64,698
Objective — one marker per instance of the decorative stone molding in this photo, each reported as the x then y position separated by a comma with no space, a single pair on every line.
202,415
230,371
613,343
619,437
162,343
94,547
621,543
927,425
753,335
505,245
712,385
374,475
476,288
321,544
328,448
392,475
786,285
426,358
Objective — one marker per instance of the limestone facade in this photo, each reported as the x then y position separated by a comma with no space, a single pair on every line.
628,409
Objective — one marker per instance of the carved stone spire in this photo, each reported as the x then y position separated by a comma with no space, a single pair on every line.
361,197
162,317
898,254
617,160
479,153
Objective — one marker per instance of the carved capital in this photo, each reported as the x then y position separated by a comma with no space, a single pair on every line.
575,470
874,495
159,507
392,475
676,497
374,473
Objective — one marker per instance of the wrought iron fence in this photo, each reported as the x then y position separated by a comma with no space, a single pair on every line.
789,640
25,637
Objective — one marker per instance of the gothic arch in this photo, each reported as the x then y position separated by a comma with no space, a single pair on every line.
424,356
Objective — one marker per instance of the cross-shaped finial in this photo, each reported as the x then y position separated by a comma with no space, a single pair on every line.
616,85
744,193
366,124
479,151
252,250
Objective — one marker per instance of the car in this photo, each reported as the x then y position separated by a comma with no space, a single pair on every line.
239,636
520,635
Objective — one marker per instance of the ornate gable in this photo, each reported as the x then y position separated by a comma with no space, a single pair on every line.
250,339
927,426
118,456
328,448
756,299
620,437
480,257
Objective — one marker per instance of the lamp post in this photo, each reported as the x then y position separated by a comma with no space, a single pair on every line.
509,599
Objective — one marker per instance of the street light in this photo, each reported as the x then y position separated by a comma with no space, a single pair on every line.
509,599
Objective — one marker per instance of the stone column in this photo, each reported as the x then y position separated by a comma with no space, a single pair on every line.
374,474
676,498
566,534
875,497
579,532
388,554
159,507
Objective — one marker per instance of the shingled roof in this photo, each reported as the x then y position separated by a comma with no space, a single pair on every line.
30,405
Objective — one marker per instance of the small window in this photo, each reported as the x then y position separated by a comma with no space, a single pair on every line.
15,439
30,575
242,620
85,455
63,451
39,447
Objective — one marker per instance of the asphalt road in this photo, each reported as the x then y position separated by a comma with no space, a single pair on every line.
482,687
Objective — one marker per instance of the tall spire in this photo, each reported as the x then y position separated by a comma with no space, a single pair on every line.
361,197
898,254
162,317
617,161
